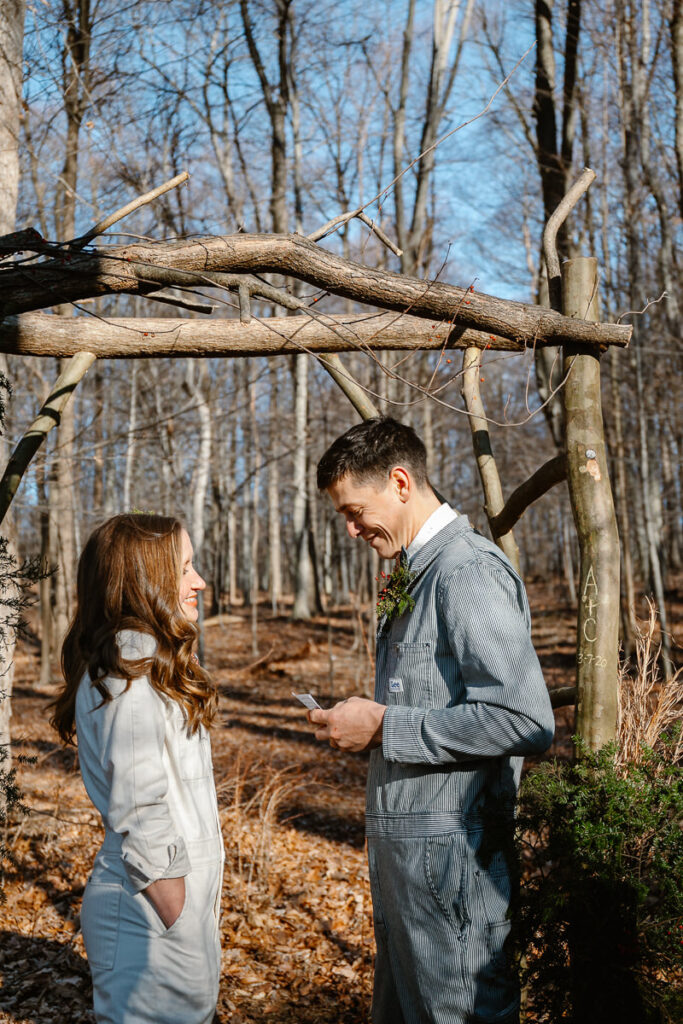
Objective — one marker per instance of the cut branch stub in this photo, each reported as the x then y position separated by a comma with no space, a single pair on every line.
141,268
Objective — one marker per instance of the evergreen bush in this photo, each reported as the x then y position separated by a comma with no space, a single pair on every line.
599,924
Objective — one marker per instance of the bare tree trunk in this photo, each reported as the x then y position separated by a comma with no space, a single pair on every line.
596,526
677,54
316,595
232,545
130,439
11,52
653,535
44,587
554,165
344,575
301,609
399,131
98,437
633,87
231,518
441,80
622,504
328,578
76,97
274,542
254,525
197,389
671,471
245,568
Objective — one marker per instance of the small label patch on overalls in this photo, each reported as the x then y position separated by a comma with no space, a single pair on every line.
395,685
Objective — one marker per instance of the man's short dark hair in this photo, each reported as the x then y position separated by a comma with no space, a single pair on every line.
370,450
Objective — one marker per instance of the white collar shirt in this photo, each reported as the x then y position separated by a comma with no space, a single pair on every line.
441,517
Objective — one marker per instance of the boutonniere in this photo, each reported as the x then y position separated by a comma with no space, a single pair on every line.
394,598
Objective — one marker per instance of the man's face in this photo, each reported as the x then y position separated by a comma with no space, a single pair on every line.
377,515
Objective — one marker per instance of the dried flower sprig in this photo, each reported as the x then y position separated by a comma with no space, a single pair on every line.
394,598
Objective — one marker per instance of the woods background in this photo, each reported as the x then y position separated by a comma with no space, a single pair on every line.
458,125
287,113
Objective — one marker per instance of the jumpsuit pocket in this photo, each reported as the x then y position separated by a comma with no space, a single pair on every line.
100,923
497,990
446,871
194,754
182,916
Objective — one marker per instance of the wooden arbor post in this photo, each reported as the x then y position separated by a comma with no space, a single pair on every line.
597,652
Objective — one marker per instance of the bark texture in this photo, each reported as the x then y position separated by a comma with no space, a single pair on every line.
595,519
41,334
138,269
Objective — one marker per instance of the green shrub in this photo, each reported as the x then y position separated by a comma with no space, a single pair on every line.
599,925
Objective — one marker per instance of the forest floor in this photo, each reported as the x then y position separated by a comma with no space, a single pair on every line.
296,914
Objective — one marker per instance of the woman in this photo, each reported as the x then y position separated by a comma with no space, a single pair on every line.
141,705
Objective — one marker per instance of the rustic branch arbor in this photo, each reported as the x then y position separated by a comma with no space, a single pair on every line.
409,313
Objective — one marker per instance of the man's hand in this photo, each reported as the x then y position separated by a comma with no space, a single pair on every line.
354,724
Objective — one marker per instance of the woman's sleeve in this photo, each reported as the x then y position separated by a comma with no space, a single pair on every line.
134,727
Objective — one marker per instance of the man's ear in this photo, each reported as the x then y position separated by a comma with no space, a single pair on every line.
402,482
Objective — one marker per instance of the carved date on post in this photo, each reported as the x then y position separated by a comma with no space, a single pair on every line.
591,659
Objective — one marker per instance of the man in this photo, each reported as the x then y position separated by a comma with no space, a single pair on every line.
459,700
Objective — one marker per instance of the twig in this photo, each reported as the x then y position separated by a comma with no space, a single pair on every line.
555,221
101,226
639,312
343,218
172,300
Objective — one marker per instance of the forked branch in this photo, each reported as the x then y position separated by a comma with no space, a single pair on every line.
550,473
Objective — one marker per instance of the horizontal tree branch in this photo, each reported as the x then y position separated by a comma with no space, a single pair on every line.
44,334
549,474
130,269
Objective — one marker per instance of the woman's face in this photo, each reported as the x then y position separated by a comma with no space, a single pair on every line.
190,580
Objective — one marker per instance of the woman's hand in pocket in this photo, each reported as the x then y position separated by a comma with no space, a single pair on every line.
167,896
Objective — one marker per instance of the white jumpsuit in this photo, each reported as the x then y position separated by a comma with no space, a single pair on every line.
153,784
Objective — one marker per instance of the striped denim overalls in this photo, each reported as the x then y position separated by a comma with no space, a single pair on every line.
466,700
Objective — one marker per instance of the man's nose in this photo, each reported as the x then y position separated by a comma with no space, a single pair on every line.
353,529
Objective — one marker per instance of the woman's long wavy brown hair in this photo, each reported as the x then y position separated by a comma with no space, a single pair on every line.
129,578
